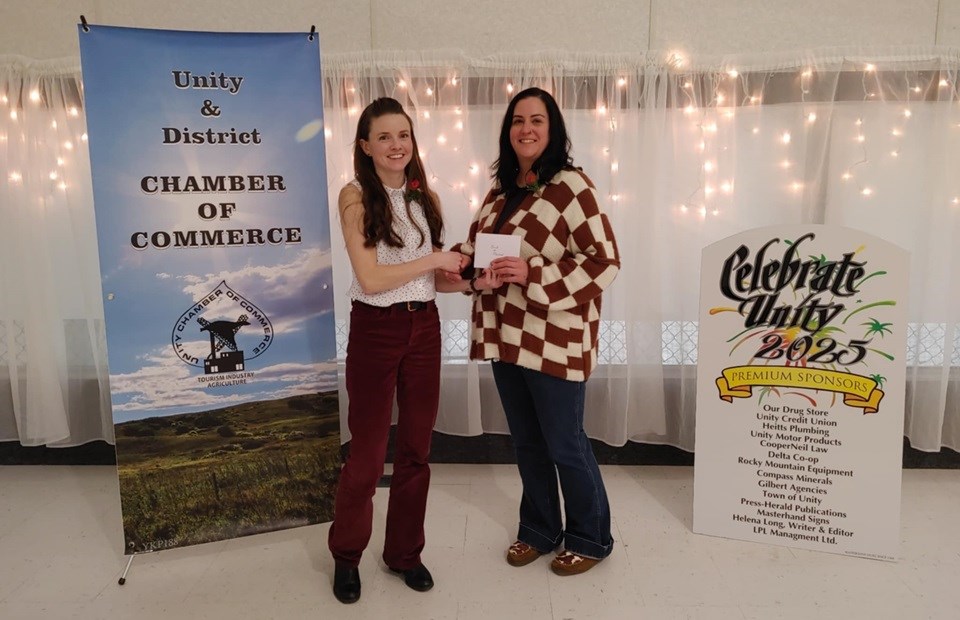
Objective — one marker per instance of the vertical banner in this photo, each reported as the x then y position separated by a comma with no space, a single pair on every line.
207,153
800,390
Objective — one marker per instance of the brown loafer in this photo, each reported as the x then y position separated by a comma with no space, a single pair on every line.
569,563
521,554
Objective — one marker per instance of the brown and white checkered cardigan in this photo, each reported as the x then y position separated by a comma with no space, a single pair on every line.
553,322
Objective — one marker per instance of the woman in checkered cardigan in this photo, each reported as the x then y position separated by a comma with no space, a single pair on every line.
537,317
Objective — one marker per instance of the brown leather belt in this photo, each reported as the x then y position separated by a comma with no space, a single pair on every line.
409,306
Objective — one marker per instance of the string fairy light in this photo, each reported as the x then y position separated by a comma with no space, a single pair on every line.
705,145
676,58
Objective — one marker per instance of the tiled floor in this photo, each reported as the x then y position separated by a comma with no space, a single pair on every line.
60,557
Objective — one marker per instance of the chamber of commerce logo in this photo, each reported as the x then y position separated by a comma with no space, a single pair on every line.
221,332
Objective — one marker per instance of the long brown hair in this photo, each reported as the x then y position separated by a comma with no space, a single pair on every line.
377,216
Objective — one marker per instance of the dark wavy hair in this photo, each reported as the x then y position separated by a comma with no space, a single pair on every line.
377,216
554,158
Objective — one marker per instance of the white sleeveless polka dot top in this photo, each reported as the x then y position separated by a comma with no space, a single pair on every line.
419,289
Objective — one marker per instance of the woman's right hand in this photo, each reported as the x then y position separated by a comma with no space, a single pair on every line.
448,261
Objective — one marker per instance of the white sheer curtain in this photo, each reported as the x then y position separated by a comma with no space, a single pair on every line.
53,376
684,152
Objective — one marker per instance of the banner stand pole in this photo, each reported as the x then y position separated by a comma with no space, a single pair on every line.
123,577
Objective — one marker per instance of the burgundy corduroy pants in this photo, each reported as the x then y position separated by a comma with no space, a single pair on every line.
390,350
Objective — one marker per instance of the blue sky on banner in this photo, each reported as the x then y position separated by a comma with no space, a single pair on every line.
133,82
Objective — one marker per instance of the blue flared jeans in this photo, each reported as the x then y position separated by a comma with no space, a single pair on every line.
545,415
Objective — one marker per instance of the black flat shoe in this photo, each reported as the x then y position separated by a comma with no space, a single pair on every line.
418,577
346,584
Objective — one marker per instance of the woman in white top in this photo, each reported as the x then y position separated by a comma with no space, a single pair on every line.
393,232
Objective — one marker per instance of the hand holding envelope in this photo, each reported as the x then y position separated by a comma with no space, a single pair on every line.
488,247
501,255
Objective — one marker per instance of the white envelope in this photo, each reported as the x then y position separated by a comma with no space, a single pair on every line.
488,247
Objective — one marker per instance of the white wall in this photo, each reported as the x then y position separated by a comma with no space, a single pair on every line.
44,29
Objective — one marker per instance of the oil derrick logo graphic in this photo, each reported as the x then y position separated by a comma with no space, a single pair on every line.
205,336
222,335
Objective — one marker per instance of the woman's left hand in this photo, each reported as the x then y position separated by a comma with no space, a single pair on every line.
511,269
